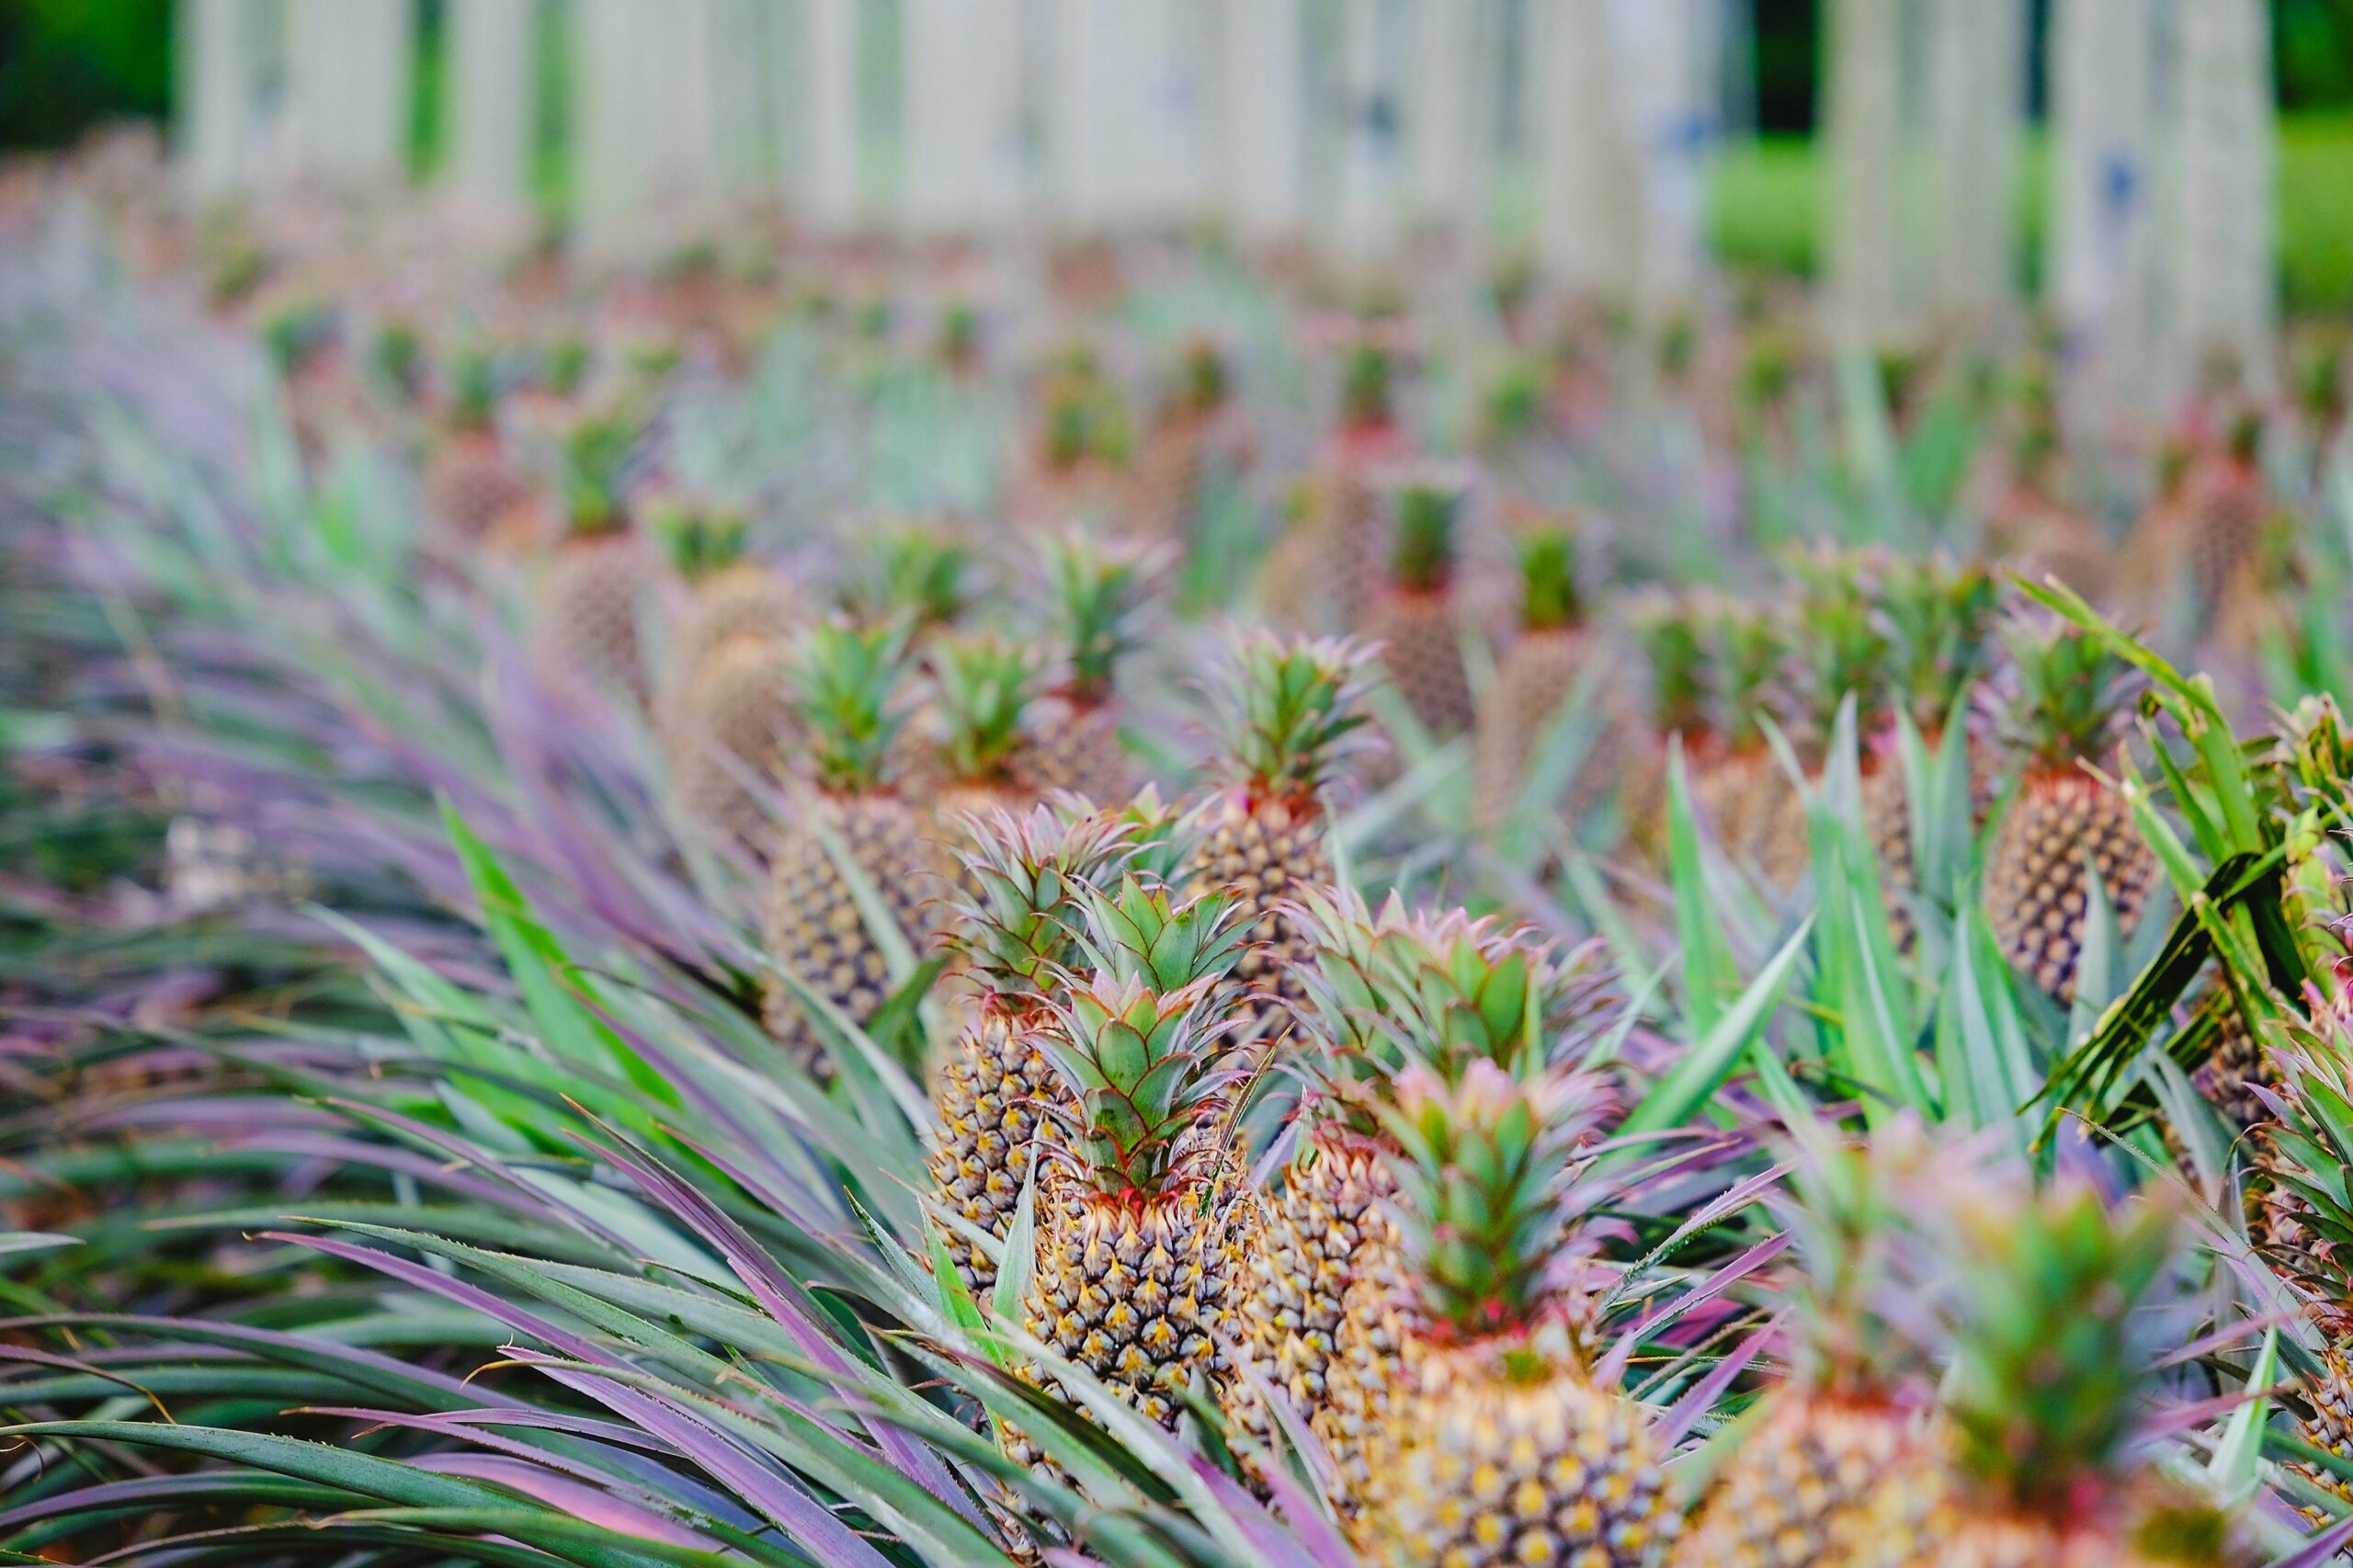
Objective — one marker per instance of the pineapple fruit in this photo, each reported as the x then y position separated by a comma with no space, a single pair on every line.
469,483
1100,595
984,688
725,706
1412,615
2064,819
1940,618
1140,1230
1552,648
1498,1445
1292,709
1674,652
1188,441
728,594
589,593
1844,654
1737,782
846,679
1078,471
1014,937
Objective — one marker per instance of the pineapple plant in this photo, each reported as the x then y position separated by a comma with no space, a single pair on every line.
1674,652
726,700
1013,936
2041,1400
1292,709
1844,653
1412,615
1532,679
469,486
847,681
2225,507
1737,782
1141,1230
1498,1443
1100,595
2065,821
1833,1469
1184,444
2032,524
728,594
918,570
984,688
1940,618
588,595
1077,470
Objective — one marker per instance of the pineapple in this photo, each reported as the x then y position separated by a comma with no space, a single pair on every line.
728,595
2043,1391
1675,650
1466,991
1077,472
1412,614
1498,1445
2064,818
984,687
1844,653
736,717
2042,534
1834,1470
846,679
1532,682
1183,447
469,483
1343,553
1939,616
1737,782
916,570
1141,1233
587,606
1014,937
1291,710
1100,592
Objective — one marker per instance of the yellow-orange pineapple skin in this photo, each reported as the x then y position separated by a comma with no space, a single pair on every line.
1532,680
1820,1482
1137,1288
988,1103
1326,1210
1423,654
469,484
588,608
737,707
1264,853
1077,746
1478,1466
2036,894
810,923
1374,1351
744,599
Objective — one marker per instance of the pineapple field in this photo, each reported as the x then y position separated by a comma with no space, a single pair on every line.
802,896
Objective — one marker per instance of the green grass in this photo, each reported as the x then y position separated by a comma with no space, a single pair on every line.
1765,209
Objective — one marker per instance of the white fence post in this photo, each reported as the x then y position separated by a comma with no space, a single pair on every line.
350,64
490,86
2224,295
1263,109
2100,272
217,56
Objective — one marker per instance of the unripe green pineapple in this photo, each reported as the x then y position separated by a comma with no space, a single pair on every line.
1141,1230
1411,615
848,680
1101,594
1290,710
2063,819
1016,936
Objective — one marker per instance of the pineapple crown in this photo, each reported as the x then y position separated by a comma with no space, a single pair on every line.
295,332
1086,418
2320,382
1848,1229
596,451
1365,382
1515,400
1483,1167
2046,1372
1844,648
700,538
1678,656
844,680
1138,1041
985,684
1549,597
474,389
915,570
1940,620
959,332
1163,835
564,365
1017,923
2313,1143
1421,558
1767,369
399,356
1289,708
2073,690
1751,647
1442,991
1207,382
1101,592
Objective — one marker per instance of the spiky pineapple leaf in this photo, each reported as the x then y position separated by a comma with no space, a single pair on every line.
1703,1069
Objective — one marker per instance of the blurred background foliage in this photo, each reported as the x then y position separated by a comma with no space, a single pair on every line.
67,64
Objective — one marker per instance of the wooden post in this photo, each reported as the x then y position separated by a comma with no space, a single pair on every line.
1862,112
349,67
489,82
2223,278
1264,112
2100,274
217,57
